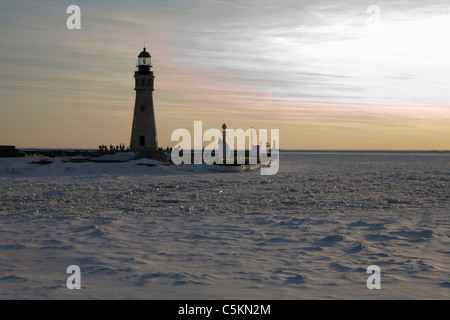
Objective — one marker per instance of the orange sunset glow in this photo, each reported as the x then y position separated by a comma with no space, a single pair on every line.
315,70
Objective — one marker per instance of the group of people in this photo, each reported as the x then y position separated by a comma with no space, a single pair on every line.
104,148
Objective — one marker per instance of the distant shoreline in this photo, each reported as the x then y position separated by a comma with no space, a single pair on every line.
281,150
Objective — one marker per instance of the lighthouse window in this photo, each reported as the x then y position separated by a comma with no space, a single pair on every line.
142,141
143,82
142,107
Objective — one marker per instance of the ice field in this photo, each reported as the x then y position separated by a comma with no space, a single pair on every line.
185,232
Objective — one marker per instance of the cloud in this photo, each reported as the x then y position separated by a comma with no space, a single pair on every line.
318,50
271,63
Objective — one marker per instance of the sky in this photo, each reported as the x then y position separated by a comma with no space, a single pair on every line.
353,75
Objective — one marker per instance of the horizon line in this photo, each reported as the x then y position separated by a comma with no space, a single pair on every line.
281,149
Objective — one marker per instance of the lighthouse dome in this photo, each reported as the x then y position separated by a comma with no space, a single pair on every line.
144,54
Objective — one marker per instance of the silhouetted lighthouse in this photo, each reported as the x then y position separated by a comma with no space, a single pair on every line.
143,133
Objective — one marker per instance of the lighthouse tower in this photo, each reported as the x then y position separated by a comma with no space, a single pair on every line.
143,133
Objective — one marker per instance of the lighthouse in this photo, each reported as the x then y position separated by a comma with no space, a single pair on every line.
143,132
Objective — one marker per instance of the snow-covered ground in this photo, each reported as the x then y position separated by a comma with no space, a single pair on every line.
185,232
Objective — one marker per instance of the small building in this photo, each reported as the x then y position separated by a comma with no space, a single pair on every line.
9,151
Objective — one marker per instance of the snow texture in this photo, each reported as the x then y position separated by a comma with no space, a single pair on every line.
185,232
